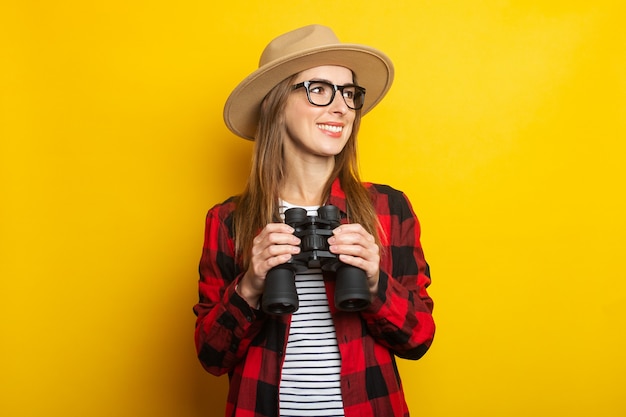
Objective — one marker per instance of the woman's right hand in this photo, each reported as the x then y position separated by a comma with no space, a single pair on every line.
273,246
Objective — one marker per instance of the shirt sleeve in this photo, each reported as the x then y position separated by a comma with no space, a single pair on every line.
225,324
400,316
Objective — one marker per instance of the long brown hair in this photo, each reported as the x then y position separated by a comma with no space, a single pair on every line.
258,204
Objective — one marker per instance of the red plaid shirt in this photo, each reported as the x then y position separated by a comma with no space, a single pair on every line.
231,337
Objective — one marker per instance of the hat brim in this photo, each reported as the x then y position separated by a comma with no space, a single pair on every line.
373,69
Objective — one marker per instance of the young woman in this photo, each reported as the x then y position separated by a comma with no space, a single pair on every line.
302,107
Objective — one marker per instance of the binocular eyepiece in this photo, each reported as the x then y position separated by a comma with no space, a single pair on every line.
351,289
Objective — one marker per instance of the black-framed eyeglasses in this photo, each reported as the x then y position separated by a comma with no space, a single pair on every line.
321,93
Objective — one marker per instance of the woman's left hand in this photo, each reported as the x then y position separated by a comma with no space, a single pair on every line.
356,247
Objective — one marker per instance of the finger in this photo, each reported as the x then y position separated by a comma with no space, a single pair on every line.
370,267
277,234
369,253
345,242
262,264
282,239
365,256
278,250
351,233
272,228
278,260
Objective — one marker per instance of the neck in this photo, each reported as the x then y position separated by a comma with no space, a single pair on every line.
304,183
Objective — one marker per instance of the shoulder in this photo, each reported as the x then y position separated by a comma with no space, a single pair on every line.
223,212
383,189
389,200
384,192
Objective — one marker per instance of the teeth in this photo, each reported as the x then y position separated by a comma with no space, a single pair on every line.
334,129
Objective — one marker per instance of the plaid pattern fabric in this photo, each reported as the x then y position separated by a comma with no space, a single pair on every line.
231,337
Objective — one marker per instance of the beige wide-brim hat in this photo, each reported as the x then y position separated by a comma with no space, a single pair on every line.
296,51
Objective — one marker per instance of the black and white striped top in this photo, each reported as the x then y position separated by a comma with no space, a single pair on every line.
310,383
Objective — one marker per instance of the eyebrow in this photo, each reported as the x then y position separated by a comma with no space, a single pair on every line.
330,82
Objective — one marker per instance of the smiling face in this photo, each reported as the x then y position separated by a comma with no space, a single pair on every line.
314,131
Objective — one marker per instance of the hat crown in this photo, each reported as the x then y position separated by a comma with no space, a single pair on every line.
296,41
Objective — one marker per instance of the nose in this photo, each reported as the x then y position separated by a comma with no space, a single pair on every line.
338,105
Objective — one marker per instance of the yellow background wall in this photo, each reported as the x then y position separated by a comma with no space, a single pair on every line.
506,127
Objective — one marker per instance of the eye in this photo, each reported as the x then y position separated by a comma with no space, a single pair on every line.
320,88
349,93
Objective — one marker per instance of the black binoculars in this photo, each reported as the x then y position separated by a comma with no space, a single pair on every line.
351,289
